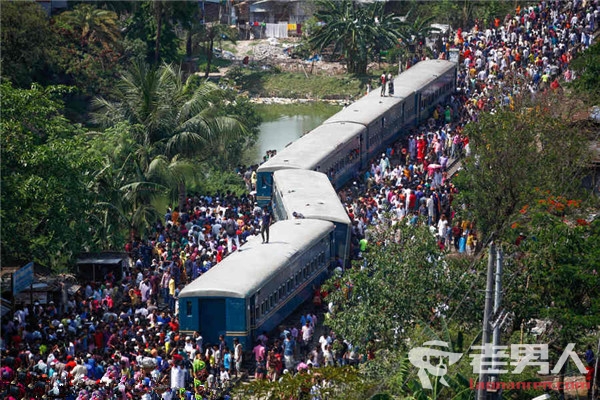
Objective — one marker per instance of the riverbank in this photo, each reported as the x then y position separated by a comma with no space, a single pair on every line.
284,100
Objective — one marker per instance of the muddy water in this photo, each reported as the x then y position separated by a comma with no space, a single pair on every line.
284,123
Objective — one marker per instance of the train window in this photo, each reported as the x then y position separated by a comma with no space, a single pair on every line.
271,302
297,278
304,272
263,308
188,308
275,297
257,312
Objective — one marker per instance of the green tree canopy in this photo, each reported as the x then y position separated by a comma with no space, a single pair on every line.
45,172
517,149
26,39
400,286
179,127
353,30
587,69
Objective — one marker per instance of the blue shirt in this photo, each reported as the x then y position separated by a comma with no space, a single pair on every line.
288,347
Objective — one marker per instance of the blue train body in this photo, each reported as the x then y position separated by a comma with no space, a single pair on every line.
255,289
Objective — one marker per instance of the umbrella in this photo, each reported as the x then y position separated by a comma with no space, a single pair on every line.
302,366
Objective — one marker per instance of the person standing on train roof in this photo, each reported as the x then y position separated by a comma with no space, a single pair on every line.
383,78
231,228
390,82
265,223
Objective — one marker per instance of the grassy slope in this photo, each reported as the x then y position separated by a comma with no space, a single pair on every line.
297,85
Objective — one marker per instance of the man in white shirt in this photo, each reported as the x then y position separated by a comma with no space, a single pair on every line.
307,332
177,377
324,341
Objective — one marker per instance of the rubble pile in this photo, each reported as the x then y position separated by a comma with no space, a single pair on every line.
264,51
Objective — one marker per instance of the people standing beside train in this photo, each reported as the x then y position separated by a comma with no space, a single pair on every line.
238,357
259,357
289,347
265,224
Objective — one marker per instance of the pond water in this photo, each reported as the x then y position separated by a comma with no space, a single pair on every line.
284,123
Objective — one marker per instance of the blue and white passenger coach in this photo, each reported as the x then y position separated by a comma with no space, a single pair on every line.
255,289
333,149
311,195
344,143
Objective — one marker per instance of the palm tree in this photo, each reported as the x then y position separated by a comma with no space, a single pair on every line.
354,30
178,129
211,32
92,24
414,33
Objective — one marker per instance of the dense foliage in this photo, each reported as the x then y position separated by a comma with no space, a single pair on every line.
355,31
45,172
517,149
154,130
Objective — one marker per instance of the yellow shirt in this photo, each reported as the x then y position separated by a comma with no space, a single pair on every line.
172,286
470,240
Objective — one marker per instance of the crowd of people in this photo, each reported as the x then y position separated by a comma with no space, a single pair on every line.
121,340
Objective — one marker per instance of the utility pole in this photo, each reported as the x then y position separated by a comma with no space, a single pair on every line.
497,302
594,381
482,392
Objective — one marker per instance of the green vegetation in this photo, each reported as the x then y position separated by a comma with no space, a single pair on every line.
146,132
272,112
501,179
174,125
587,68
262,83
356,31
46,205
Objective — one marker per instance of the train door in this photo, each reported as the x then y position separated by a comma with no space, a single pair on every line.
212,319
417,108
264,186
362,145
253,315
402,115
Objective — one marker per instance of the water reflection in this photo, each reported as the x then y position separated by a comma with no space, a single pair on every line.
278,133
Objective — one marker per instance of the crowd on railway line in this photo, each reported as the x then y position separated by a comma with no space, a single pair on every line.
120,340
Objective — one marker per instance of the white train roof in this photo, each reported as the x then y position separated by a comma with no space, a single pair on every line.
245,272
309,193
370,108
309,151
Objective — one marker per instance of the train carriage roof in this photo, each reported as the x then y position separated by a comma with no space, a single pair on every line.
309,151
309,193
245,272
369,108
